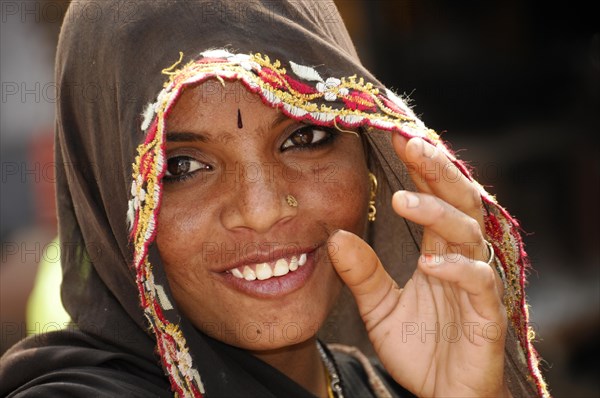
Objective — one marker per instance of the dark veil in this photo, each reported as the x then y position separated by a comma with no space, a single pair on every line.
111,64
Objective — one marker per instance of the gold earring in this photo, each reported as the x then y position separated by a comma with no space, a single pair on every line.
372,209
291,201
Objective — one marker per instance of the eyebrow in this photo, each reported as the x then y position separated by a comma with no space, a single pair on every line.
184,136
280,118
177,136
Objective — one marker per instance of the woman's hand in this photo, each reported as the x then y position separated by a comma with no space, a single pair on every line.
442,334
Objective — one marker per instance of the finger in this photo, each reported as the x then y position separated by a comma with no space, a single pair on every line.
399,143
374,290
433,172
476,278
461,232
432,243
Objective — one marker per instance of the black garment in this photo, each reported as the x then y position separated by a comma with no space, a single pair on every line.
71,364
74,364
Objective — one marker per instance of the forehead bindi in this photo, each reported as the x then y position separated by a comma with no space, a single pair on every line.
212,111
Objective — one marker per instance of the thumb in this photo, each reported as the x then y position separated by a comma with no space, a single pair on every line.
374,290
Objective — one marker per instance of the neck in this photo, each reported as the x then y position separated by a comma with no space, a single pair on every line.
301,363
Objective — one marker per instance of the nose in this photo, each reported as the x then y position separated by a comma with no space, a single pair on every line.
257,203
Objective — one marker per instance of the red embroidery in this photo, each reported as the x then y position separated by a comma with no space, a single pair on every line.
300,87
392,105
357,100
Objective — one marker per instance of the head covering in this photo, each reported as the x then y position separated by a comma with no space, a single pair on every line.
119,75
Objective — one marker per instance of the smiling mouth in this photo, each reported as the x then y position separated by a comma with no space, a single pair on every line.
268,270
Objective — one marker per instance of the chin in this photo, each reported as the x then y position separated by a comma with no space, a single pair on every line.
265,333
274,323
261,315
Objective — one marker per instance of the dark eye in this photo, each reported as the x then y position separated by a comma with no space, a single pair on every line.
181,167
309,136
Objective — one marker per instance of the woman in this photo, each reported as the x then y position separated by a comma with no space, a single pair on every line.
261,160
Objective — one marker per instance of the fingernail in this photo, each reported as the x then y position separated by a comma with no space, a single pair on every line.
428,149
432,260
412,200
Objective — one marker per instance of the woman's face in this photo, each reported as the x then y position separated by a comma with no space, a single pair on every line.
245,266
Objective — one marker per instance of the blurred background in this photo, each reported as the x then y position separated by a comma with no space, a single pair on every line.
514,86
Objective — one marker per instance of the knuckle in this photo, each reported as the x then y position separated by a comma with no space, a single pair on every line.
489,279
473,229
477,203
438,209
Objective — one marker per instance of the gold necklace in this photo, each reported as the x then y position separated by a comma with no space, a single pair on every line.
334,387
328,382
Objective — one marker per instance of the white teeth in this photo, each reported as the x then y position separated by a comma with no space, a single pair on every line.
237,273
294,263
263,271
281,268
302,259
249,275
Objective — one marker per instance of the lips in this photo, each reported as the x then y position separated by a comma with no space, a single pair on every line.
276,275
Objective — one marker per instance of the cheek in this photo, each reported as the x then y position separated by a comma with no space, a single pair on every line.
182,233
184,240
339,197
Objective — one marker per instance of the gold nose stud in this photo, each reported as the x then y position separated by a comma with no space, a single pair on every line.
291,201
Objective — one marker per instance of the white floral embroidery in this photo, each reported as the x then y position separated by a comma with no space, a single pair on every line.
251,84
184,358
330,88
148,116
243,60
150,227
163,299
294,111
384,124
198,380
352,119
160,99
398,101
272,98
138,196
130,214
322,117
216,53
160,162
152,109
134,187
306,72
142,194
